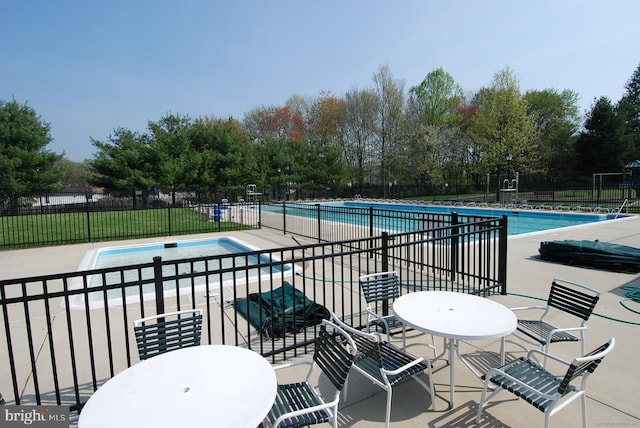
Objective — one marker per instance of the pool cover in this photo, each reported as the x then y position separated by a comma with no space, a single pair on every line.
283,310
596,254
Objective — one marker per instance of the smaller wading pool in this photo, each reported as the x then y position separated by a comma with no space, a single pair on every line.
178,250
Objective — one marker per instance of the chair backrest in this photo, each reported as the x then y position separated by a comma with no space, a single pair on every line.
334,353
367,344
575,299
380,286
588,363
166,332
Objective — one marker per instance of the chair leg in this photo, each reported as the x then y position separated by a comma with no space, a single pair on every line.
483,401
388,417
584,410
345,388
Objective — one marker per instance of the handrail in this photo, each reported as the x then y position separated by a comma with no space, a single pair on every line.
626,201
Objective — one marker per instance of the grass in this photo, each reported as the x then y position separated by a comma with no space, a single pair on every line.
69,228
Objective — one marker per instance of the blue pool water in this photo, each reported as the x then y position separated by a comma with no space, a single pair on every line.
121,256
176,251
519,221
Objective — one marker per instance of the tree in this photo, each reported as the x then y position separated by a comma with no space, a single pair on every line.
437,98
436,153
223,154
502,127
171,148
76,174
390,124
357,133
629,109
324,118
275,123
556,119
124,163
601,146
25,163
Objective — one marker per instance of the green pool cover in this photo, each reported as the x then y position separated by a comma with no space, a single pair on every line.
596,254
283,310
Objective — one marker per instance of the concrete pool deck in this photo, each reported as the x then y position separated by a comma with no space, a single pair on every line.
613,394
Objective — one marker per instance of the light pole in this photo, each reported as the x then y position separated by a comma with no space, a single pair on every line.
509,159
39,188
278,187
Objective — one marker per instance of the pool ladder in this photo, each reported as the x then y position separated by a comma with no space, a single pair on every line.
626,201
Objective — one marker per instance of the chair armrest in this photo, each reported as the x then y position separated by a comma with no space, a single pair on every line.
306,410
294,364
531,353
526,308
405,367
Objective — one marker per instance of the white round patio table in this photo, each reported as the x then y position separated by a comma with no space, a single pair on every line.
200,386
455,316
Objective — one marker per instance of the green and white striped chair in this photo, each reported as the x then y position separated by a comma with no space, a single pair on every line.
300,403
387,365
575,300
530,380
166,332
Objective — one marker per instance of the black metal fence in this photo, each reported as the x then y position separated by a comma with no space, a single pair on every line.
66,334
325,223
63,222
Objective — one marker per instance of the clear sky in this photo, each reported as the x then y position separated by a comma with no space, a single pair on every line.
88,67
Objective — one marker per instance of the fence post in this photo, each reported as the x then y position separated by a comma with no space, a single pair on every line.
371,241
455,231
169,219
385,267
284,217
88,224
157,276
318,222
502,254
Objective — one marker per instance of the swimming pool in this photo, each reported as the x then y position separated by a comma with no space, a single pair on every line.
177,251
519,221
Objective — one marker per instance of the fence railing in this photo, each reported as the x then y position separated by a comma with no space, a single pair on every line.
327,223
66,334
86,222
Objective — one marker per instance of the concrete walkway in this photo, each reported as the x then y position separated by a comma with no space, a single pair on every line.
613,392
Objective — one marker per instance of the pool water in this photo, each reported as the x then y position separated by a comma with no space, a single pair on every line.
519,221
122,256
176,251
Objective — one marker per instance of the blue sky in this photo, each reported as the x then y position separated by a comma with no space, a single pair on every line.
89,67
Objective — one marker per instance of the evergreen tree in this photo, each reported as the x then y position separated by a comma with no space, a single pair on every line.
25,163
601,147
629,108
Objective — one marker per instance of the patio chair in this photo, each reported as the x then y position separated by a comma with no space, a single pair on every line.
300,404
386,365
166,332
382,287
573,299
527,379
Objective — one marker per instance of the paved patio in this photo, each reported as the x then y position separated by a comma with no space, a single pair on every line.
613,394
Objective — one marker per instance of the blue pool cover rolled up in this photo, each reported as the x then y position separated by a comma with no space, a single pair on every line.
596,254
283,310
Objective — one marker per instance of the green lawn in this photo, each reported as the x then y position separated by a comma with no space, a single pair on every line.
67,228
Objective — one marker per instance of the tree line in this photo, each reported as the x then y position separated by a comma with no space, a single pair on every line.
384,135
